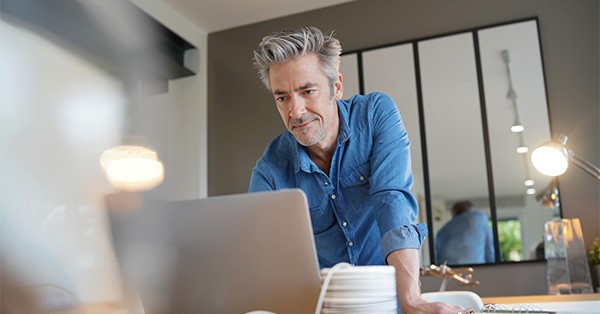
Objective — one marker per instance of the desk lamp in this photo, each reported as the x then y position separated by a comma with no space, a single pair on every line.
552,159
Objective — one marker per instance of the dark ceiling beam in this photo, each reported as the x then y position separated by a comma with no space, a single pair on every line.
117,36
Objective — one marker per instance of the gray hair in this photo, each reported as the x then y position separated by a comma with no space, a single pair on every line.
284,45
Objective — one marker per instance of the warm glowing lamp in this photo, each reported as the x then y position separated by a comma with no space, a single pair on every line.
553,158
132,168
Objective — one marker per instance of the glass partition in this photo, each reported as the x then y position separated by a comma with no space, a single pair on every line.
455,144
459,94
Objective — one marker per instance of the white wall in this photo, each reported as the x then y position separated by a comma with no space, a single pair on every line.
58,113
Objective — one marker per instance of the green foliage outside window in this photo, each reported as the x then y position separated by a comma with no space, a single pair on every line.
509,236
594,253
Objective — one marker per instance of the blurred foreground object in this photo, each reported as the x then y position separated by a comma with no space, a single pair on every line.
568,269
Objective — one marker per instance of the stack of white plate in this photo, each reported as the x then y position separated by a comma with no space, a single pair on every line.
360,289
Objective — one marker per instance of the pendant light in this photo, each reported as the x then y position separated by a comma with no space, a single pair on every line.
133,166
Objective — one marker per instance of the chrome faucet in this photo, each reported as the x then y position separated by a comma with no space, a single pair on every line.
463,275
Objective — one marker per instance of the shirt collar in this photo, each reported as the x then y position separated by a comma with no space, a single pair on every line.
345,132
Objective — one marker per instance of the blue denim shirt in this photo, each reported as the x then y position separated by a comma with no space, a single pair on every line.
466,239
364,209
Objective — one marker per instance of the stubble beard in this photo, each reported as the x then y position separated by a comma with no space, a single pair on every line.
315,133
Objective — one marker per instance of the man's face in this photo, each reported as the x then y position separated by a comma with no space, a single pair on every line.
305,101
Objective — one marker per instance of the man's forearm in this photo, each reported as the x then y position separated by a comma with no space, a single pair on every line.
406,262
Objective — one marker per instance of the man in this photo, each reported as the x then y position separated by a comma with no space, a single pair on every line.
350,157
466,239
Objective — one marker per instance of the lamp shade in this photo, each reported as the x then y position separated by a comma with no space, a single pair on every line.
551,159
132,168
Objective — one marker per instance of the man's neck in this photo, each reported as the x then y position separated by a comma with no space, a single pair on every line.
322,153
321,157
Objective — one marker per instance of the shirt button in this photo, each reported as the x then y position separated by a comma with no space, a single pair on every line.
350,243
326,183
361,178
332,196
344,224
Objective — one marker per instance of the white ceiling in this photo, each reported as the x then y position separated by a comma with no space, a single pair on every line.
217,15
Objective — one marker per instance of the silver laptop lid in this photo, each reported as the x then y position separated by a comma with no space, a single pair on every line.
226,254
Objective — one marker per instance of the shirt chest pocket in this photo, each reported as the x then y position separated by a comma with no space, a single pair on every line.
357,176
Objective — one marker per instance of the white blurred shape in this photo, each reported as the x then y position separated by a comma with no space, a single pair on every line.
550,161
49,143
522,149
132,168
91,114
517,128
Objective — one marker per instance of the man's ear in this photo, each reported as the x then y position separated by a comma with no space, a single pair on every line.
338,87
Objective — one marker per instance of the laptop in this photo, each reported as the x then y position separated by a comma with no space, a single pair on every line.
226,254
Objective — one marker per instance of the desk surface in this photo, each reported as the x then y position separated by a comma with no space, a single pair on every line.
541,298
523,299
101,308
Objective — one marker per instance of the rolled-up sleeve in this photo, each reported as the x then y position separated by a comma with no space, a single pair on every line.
395,207
405,237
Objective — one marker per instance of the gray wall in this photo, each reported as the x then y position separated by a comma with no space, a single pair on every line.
242,118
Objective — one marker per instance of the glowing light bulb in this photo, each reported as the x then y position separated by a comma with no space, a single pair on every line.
522,149
132,168
517,128
550,160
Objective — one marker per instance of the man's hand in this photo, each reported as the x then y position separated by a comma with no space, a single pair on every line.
406,262
432,308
